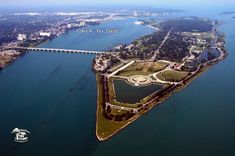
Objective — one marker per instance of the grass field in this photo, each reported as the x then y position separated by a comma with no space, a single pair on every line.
171,75
161,77
143,68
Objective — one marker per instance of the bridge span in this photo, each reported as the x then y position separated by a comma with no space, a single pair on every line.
62,50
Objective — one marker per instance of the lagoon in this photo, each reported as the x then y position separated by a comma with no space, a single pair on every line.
127,93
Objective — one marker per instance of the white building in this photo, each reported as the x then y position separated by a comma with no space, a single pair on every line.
21,37
45,34
73,25
69,25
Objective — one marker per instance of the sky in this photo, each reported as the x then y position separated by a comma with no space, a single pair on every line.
156,3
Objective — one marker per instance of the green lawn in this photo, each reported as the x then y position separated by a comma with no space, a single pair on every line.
171,75
143,68
161,77
158,66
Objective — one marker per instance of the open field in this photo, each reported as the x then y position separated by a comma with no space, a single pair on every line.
171,75
143,68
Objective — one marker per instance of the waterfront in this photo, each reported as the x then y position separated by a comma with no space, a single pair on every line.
54,96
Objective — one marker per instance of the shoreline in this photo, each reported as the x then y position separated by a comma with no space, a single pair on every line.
155,28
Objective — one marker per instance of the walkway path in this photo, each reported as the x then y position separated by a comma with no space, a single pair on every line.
158,50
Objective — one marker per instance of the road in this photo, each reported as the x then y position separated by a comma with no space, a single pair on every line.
156,52
120,69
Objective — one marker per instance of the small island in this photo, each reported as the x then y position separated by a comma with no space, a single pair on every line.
134,78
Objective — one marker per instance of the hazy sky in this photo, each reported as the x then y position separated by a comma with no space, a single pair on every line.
139,2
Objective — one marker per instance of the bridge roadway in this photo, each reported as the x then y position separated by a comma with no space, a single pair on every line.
64,50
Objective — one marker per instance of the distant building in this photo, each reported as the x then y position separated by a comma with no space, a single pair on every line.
21,37
74,25
45,34
69,25
82,23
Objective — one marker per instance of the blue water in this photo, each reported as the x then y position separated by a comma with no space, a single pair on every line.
53,95
127,32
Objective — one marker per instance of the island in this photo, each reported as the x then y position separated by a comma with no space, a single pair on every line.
134,78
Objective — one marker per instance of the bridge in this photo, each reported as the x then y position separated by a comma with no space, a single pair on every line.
61,50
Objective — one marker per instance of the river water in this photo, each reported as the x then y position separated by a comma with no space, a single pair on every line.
53,95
